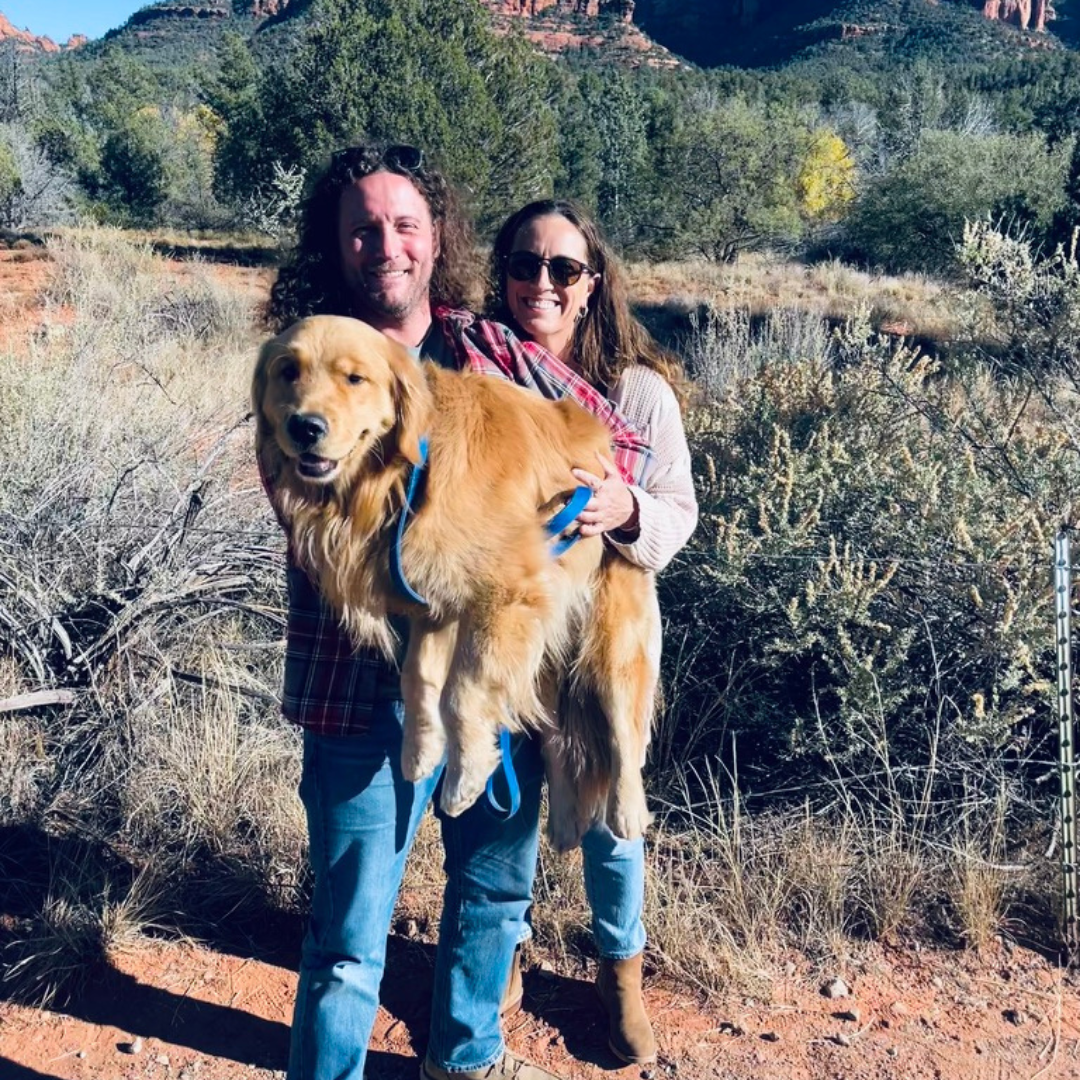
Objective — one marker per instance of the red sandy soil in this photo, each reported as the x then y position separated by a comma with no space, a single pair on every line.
196,1014
23,273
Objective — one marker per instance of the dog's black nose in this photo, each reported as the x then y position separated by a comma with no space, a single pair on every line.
306,429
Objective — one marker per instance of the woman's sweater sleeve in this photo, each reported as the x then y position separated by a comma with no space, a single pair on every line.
667,506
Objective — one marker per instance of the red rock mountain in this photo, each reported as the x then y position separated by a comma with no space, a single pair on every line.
27,42
558,26
692,27
1029,14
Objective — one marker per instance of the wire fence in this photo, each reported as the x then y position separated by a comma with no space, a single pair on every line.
1064,582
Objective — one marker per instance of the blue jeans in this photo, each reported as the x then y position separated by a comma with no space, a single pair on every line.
362,819
615,885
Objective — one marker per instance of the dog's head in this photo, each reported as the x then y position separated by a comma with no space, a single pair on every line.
332,396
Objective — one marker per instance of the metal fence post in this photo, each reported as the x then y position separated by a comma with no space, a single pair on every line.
1066,734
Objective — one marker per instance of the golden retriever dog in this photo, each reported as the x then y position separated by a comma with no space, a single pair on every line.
507,630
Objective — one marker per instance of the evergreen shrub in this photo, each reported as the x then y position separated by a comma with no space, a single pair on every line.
868,592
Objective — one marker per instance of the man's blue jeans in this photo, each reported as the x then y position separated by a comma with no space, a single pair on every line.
362,818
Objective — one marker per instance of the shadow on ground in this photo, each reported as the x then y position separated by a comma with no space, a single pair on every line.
218,901
570,1006
37,869
11,1070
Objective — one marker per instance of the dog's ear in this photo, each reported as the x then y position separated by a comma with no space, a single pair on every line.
412,401
267,452
260,376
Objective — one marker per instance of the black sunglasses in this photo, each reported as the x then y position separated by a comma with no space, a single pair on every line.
563,271
403,156
400,156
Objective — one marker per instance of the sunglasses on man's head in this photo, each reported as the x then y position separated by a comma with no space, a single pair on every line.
402,156
399,156
563,271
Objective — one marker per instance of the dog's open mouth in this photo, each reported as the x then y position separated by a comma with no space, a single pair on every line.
313,467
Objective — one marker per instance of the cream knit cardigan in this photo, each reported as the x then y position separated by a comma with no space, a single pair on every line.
667,506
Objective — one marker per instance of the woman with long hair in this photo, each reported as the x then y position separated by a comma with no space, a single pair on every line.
555,281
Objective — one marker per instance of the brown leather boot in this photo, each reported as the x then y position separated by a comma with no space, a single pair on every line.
508,1067
630,1035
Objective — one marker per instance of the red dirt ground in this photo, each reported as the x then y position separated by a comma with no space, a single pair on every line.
196,1014
22,276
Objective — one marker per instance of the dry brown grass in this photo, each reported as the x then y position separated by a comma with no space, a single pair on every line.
138,556
910,305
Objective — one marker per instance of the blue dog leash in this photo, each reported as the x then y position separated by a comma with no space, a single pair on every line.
397,574
560,545
563,518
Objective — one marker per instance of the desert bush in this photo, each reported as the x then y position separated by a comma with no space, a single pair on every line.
87,913
207,778
912,216
728,346
272,207
139,568
34,191
1029,323
871,566
26,767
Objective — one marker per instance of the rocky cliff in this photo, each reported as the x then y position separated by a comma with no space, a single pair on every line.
591,9
560,26
169,11
264,9
24,41
1029,14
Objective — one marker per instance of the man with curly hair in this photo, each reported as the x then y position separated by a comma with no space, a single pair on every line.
381,239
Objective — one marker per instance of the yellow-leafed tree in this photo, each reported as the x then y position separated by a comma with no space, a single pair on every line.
826,180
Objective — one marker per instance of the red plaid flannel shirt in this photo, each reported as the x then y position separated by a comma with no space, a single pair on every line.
332,688
494,349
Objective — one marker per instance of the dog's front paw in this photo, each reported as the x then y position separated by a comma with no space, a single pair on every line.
565,827
627,813
463,784
421,753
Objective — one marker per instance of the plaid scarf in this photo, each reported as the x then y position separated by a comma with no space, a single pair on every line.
493,349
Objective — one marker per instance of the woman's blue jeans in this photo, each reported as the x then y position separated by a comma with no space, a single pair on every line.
362,819
615,885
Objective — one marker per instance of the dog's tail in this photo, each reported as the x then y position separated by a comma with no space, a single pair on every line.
607,704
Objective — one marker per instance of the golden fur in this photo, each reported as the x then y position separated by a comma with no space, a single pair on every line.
507,630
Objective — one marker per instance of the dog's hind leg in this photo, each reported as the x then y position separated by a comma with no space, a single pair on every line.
423,677
567,821
620,664
492,685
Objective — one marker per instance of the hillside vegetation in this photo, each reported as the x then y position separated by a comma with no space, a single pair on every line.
874,149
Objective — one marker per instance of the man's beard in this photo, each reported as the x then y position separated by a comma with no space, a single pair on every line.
393,306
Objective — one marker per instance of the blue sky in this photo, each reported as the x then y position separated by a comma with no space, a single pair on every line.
59,19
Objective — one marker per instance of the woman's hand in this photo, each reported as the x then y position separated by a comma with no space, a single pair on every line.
612,505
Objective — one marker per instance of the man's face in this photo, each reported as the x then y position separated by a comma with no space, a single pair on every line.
388,245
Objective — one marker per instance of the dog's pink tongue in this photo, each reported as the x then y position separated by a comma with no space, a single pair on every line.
313,465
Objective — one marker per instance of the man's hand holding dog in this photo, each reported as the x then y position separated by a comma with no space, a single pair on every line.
612,507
